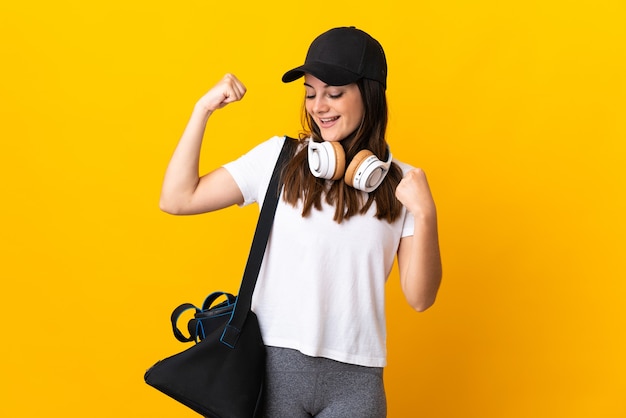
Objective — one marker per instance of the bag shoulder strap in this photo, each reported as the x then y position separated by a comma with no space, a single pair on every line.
257,250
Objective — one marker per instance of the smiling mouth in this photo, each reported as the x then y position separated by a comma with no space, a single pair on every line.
329,120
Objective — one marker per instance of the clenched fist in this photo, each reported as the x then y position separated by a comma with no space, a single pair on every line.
414,193
229,89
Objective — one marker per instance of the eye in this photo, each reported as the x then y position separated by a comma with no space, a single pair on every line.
336,95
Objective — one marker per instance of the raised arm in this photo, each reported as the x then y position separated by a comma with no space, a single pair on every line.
184,192
419,260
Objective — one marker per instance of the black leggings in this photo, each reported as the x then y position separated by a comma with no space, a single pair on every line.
299,386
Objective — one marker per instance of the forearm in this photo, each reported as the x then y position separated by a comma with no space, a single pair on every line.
420,264
182,174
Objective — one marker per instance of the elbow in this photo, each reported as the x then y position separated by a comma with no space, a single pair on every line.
422,305
169,207
423,298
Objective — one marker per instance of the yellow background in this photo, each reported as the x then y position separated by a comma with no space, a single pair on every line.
516,109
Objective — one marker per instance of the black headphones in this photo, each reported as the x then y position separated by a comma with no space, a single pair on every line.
365,172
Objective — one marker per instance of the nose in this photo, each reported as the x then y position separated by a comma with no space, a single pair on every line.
320,104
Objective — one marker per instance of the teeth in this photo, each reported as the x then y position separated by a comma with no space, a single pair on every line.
329,119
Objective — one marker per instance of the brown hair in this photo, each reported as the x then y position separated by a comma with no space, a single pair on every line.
300,183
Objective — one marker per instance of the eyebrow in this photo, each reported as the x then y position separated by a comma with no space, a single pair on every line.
308,85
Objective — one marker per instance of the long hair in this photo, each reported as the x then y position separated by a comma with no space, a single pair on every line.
300,183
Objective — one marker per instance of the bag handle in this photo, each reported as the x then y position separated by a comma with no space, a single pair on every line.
192,325
174,318
259,243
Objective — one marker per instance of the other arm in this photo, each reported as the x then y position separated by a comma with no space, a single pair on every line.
419,259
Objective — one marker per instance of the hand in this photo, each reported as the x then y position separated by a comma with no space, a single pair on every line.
414,193
228,90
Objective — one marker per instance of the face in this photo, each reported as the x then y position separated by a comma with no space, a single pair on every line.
337,110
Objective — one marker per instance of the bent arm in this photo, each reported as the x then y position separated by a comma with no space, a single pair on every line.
419,259
184,192
419,263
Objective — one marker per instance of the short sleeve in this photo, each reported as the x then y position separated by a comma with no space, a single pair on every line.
253,170
408,224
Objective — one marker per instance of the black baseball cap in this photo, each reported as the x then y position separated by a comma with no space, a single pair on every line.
342,56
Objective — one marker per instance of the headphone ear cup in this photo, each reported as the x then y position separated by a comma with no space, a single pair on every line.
354,166
340,160
327,160
366,172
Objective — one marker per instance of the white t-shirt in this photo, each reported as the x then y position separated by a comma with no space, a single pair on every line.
321,288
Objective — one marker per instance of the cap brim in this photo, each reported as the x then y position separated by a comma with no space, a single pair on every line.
329,74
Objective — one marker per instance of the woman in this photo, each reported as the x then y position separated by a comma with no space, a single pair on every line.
348,209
